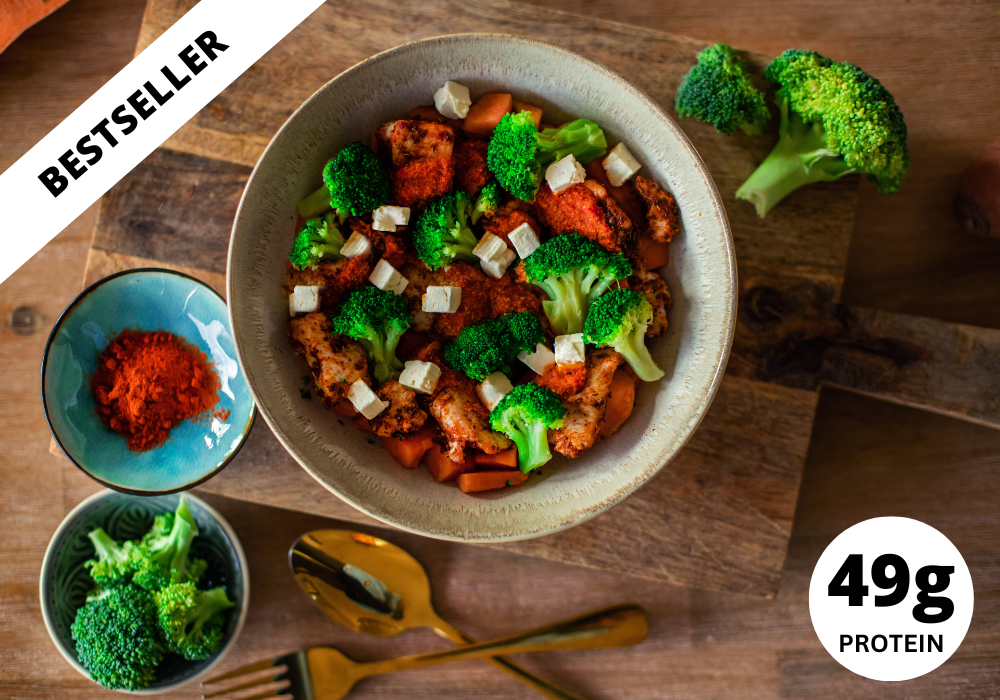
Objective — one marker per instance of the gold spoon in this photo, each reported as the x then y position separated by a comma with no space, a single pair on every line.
376,588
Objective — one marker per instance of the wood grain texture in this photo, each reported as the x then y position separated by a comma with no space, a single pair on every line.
867,458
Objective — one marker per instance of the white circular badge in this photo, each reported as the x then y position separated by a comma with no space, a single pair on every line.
891,599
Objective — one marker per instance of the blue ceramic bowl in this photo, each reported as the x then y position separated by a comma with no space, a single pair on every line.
65,582
144,299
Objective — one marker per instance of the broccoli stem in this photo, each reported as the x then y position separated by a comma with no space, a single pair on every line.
581,137
105,547
316,203
567,305
209,602
799,158
532,440
635,352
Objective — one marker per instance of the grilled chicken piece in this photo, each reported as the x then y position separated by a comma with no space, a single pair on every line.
661,210
471,173
587,209
655,289
403,415
420,278
585,409
508,216
465,422
421,157
335,361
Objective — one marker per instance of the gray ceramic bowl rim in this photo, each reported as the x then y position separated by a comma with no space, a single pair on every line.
45,406
71,657
729,321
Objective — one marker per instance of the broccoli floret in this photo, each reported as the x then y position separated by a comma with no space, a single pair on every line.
491,346
354,182
115,563
377,319
168,544
442,234
488,201
718,91
619,319
319,240
525,415
118,638
518,152
573,270
191,619
835,120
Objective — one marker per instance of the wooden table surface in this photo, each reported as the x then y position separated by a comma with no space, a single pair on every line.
867,458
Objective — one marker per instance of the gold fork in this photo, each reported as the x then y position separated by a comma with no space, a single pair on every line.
323,673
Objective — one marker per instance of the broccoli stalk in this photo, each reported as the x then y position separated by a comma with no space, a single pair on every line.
835,120
619,319
718,90
573,271
115,562
488,201
319,240
488,347
442,234
118,638
518,152
525,415
354,182
168,544
377,319
191,619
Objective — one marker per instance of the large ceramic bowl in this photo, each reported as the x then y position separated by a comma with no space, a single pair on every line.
65,582
149,300
701,275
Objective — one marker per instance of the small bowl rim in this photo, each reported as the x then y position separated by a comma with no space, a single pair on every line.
45,406
712,388
47,613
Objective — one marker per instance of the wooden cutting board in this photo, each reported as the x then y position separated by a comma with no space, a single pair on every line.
719,516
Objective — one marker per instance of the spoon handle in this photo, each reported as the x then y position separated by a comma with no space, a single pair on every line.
615,626
546,688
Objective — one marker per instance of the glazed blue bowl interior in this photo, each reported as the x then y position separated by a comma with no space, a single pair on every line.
146,300
65,581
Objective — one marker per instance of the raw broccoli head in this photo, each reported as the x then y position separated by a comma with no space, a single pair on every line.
491,346
118,638
191,619
354,182
488,201
718,91
167,545
377,319
518,152
573,270
525,415
319,240
619,319
115,563
442,231
835,120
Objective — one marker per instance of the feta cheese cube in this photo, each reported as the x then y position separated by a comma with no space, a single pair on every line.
453,100
490,248
304,299
570,349
365,400
387,218
357,244
493,388
620,165
442,300
422,377
539,360
525,240
496,268
564,173
387,278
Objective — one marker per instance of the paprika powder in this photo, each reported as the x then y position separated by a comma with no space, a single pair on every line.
149,381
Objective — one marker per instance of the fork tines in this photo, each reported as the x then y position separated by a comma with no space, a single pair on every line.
287,675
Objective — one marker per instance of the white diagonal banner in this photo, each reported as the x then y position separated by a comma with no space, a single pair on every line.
132,114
